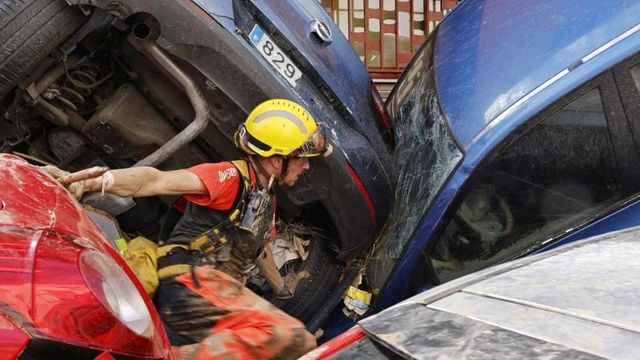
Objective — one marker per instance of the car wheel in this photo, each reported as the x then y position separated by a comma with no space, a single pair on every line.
29,31
313,291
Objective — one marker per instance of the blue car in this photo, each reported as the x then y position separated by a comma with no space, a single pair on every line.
517,126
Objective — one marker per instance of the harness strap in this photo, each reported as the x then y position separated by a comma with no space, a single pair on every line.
213,239
174,260
177,259
209,241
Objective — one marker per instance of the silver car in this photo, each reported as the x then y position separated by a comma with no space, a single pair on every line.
579,301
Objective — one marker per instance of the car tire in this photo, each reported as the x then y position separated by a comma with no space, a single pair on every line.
29,31
313,291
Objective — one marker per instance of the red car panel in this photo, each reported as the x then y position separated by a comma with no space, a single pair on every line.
46,290
35,200
12,338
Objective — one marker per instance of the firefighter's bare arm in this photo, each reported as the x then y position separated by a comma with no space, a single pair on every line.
144,181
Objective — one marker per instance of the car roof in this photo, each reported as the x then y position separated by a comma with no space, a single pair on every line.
489,54
581,298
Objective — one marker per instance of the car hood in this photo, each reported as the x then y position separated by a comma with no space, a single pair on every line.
582,296
489,54
33,200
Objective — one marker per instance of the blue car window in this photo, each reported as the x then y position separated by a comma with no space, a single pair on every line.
425,156
558,175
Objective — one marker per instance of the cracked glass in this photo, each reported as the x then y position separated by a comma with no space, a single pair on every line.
426,155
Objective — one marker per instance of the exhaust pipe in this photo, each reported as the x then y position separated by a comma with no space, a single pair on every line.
141,40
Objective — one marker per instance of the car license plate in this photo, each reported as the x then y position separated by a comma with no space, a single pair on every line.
275,56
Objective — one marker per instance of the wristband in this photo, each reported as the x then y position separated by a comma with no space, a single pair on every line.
107,180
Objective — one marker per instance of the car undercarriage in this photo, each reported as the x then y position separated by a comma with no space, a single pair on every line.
84,86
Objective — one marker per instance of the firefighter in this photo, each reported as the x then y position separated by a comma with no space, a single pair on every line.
222,235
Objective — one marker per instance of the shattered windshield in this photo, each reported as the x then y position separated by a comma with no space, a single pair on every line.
425,156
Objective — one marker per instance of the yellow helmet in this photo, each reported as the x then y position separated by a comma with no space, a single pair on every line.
280,127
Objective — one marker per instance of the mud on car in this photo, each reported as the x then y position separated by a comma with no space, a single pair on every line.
166,83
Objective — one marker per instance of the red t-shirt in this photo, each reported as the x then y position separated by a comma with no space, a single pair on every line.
222,180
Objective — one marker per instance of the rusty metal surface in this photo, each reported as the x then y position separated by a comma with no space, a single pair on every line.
127,126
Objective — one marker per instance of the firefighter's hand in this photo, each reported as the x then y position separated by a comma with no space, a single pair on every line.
54,171
76,188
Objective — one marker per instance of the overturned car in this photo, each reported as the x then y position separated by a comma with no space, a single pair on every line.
166,83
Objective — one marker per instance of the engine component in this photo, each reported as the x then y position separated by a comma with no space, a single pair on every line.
127,126
66,144
140,38
76,86
60,104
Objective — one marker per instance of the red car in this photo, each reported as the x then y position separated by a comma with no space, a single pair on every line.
65,292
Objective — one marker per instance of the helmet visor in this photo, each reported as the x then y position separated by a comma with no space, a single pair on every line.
315,145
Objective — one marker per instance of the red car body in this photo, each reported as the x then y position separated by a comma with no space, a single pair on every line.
65,292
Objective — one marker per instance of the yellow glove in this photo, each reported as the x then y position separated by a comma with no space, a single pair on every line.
76,188
54,171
